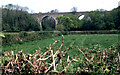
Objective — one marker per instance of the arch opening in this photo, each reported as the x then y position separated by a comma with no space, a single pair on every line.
81,17
48,23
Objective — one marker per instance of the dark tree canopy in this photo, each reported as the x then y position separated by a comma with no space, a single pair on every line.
101,20
16,18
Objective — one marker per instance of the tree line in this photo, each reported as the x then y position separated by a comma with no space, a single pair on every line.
17,18
95,20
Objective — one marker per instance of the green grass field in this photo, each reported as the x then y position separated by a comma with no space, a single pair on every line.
70,41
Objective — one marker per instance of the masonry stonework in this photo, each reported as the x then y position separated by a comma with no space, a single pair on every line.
40,16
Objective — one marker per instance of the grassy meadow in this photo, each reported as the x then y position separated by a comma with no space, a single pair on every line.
70,41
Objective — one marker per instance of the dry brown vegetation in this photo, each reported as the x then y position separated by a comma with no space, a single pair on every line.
20,63
93,61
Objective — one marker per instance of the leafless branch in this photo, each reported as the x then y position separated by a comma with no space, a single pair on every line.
86,56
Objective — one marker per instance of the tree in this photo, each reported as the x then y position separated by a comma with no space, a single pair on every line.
116,17
93,21
15,19
65,21
54,11
74,9
60,27
109,21
9,6
70,22
15,7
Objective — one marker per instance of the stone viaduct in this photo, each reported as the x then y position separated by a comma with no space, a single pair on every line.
40,16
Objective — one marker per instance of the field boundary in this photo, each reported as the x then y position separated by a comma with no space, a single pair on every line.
19,37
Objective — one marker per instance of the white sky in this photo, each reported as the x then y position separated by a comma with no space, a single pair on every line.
63,5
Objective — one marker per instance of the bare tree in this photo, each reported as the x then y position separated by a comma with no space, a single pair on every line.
74,9
54,11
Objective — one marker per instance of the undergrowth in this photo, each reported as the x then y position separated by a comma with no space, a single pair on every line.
93,60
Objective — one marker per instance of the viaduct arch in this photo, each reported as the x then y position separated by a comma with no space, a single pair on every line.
40,16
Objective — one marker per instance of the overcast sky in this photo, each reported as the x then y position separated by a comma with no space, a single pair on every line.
63,5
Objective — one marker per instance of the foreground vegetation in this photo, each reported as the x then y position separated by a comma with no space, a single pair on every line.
56,59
